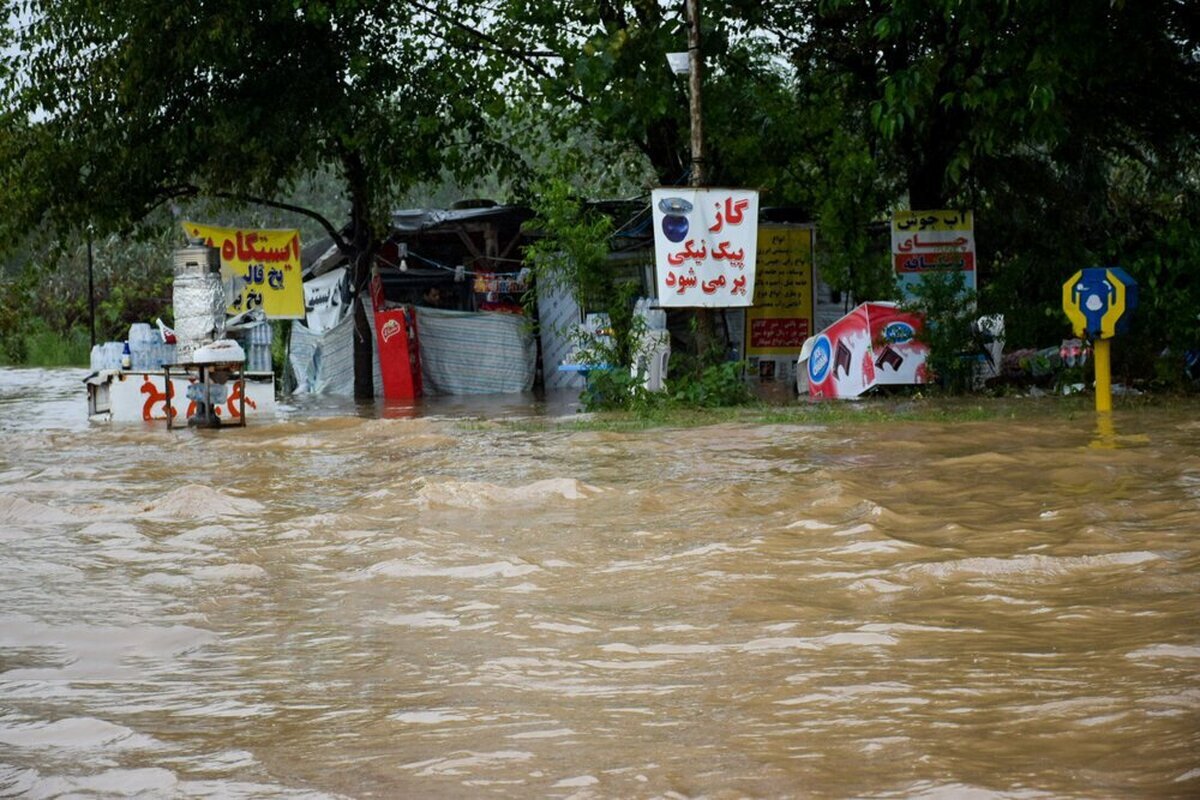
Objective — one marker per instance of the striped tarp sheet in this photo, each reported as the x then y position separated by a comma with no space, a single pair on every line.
323,363
466,352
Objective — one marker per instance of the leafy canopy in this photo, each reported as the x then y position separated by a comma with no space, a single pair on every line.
112,109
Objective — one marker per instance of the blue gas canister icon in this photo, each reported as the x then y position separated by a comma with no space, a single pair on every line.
1100,301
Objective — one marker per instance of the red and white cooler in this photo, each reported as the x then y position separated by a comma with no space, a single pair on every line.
875,344
399,353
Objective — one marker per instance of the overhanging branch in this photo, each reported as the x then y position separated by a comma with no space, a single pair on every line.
189,190
526,57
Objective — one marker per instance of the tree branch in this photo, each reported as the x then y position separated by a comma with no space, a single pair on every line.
526,57
190,190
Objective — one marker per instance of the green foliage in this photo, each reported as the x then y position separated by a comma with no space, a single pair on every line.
45,348
571,248
695,380
713,386
116,109
45,298
948,308
719,385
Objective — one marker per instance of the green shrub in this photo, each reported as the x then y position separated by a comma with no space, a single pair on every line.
941,296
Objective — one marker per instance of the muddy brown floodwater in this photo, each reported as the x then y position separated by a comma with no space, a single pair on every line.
339,606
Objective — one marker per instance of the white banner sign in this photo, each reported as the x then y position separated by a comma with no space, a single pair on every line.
930,241
705,244
327,300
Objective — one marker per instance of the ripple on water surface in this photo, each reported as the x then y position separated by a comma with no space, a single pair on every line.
339,606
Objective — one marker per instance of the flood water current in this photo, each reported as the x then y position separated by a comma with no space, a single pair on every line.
339,604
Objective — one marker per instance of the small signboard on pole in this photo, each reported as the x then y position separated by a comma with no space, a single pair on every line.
929,241
705,247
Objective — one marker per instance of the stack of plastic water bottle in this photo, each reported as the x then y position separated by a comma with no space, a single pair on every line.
107,356
147,350
258,354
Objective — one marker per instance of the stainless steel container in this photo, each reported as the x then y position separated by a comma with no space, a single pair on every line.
198,296
197,259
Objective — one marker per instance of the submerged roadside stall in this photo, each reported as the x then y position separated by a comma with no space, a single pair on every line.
448,312
214,368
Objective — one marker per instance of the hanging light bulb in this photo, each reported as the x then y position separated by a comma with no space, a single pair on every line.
404,265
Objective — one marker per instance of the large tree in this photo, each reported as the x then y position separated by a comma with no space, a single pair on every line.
1069,125
114,109
600,67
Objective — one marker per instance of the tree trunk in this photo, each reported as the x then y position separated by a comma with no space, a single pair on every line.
925,186
363,245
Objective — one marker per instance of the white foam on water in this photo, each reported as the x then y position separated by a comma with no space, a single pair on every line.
478,495
195,501
808,525
867,548
229,572
430,717
111,530
467,762
1156,651
147,782
681,649
163,580
577,782
98,652
204,533
654,664
478,605
19,511
558,627
885,627
553,733
847,639
418,568
716,548
126,555
958,791
876,586
1032,566
74,733
424,619
524,588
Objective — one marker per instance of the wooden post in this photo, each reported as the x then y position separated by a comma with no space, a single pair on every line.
704,316
695,82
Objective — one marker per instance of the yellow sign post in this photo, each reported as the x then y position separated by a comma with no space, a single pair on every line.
1100,302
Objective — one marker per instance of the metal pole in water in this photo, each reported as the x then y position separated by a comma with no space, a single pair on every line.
91,286
1103,362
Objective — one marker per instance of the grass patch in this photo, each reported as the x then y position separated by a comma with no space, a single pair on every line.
44,348
870,411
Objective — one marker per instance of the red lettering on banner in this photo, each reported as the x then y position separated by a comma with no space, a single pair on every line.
778,332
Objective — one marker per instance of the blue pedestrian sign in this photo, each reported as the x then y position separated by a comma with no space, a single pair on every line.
1100,301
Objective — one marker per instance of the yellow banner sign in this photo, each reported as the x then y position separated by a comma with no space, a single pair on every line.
261,266
782,315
